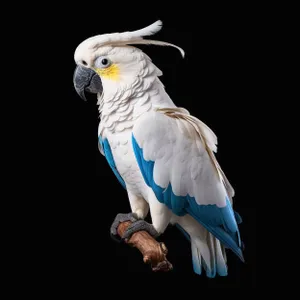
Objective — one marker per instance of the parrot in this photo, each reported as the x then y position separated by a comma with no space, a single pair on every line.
163,157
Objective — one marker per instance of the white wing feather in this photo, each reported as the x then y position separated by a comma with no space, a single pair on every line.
181,147
207,136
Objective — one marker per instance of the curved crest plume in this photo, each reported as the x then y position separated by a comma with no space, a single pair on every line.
149,30
132,37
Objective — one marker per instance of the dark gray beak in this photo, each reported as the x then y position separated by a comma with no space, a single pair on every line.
86,80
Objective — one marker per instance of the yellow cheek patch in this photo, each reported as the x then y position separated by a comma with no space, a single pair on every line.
112,72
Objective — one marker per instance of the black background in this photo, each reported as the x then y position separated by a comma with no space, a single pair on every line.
214,82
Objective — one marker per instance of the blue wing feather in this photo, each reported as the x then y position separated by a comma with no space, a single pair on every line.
221,222
110,159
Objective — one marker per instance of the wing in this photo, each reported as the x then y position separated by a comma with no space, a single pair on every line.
100,146
105,150
175,154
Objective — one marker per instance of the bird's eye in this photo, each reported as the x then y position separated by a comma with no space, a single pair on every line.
102,62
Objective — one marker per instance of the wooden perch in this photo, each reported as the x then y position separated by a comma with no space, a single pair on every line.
154,253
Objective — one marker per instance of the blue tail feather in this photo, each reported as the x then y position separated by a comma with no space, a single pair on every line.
223,236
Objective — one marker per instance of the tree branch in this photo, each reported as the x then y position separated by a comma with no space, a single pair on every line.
154,253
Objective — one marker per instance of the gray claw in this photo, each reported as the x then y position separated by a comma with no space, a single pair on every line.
139,226
122,218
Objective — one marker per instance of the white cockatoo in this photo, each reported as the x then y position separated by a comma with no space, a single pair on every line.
163,156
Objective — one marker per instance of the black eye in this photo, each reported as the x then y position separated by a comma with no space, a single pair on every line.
84,63
104,61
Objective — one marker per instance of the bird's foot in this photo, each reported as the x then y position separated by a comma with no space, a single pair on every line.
137,225
140,225
122,218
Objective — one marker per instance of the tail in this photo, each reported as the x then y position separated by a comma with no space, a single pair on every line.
208,253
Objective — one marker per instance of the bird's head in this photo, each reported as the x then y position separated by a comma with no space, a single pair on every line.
108,62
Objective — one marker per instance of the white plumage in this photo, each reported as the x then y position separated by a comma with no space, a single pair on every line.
164,155
184,156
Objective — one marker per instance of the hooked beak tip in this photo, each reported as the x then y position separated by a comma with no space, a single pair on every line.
81,94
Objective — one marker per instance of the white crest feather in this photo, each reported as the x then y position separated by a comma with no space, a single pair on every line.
159,43
149,30
131,38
